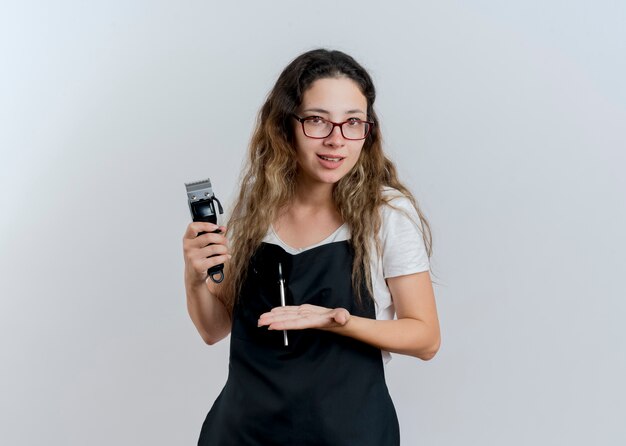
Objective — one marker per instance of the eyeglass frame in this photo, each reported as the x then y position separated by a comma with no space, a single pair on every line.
335,124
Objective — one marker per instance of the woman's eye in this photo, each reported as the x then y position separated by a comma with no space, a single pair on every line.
354,121
315,120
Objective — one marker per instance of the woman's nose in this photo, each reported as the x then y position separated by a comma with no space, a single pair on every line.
336,137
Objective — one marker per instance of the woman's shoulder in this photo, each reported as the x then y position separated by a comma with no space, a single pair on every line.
397,210
401,235
396,200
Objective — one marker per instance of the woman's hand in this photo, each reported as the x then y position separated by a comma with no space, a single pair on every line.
304,316
201,252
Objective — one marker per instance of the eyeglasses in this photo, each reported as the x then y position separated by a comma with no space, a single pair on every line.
319,128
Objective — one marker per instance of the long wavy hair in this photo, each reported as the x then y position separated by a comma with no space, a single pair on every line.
269,177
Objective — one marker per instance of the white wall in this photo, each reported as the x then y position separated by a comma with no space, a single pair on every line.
507,120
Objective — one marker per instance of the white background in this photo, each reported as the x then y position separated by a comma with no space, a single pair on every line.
506,119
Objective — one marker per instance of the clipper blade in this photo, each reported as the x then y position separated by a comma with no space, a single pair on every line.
199,190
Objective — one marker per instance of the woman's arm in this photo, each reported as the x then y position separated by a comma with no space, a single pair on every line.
201,252
207,313
415,332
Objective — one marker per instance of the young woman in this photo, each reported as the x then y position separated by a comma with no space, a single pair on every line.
320,213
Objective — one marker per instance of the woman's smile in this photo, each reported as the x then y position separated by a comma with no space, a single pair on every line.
330,161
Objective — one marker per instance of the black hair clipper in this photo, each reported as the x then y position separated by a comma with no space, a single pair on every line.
201,204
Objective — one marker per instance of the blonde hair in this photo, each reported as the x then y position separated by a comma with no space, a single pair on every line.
269,177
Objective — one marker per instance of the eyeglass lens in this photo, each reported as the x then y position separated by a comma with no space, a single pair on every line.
321,128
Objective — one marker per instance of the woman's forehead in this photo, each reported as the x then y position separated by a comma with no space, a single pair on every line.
337,95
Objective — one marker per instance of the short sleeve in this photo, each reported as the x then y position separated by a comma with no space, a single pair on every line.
403,248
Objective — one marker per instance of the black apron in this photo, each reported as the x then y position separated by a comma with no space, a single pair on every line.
322,389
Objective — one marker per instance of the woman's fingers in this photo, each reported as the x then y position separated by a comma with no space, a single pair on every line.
202,264
209,238
290,317
211,250
304,308
203,251
217,245
196,227
299,323
292,311
203,240
285,316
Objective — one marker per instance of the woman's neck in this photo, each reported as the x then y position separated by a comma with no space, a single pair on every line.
310,217
313,195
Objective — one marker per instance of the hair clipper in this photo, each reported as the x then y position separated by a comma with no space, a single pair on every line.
202,207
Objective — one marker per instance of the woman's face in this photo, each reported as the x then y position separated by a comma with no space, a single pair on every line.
327,160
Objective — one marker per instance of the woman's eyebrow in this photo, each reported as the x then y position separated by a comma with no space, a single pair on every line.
316,110
356,110
321,110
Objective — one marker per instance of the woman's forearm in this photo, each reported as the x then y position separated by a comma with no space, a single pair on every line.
207,313
406,336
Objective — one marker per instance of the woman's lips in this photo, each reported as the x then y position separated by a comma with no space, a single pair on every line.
330,161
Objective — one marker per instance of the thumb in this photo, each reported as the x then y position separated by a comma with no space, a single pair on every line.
341,316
